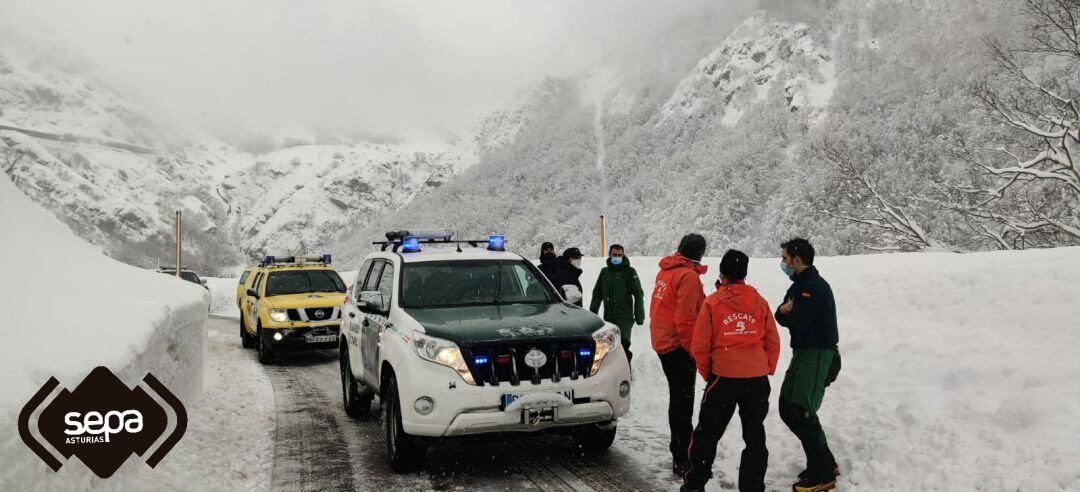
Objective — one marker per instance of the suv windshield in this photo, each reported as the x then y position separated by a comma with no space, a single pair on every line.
472,282
301,281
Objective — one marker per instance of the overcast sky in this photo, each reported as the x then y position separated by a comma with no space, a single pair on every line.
379,67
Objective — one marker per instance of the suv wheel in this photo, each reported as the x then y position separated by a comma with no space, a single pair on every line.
246,340
405,452
597,437
266,354
356,403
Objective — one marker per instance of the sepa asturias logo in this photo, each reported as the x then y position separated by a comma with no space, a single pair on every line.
102,422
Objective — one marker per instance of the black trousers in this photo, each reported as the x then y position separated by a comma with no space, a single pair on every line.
681,371
722,395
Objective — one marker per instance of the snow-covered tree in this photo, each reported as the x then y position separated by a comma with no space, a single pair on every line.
1035,174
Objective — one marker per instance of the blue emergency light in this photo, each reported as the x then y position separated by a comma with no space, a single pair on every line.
496,243
268,260
410,244
326,258
584,352
480,360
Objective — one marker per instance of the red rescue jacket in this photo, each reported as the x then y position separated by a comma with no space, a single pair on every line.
735,334
676,299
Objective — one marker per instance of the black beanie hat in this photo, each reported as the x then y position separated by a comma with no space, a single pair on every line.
572,253
734,264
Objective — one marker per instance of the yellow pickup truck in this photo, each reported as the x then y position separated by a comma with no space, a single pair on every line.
291,303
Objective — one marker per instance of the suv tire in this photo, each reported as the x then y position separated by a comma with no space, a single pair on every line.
246,340
406,453
266,354
594,438
357,404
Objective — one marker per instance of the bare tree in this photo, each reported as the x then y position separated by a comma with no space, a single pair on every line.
1035,181
859,199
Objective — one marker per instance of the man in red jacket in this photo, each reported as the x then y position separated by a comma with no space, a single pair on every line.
736,347
676,300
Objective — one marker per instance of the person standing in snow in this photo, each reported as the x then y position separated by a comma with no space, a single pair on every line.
548,260
736,347
676,300
618,288
809,313
567,276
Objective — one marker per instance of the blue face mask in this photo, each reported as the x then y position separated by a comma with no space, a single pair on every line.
786,269
616,260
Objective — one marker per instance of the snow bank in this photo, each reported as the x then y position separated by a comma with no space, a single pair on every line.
960,373
223,296
69,309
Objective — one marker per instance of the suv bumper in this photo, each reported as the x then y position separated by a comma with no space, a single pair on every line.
298,338
462,409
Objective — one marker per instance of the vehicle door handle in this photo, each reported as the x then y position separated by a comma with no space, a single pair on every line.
366,323
352,315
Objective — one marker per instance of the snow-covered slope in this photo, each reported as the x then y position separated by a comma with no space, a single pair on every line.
959,373
68,309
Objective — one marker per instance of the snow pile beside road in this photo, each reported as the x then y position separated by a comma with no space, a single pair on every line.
959,373
69,309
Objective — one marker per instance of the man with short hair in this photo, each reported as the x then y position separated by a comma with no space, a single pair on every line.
618,288
809,313
735,347
676,300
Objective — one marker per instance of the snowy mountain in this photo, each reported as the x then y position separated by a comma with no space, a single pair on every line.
736,143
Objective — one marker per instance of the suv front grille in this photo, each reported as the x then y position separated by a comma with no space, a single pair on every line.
501,362
328,313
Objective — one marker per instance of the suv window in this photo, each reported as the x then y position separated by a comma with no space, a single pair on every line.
472,282
373,277
361,277
244,276
301,281
386,284
257,282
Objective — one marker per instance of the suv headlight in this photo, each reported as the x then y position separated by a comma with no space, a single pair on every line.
442,352
279,315
607,339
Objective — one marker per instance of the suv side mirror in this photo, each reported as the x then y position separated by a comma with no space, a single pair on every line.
253,293
370,302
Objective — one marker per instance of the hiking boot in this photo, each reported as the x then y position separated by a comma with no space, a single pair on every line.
807,486
835,473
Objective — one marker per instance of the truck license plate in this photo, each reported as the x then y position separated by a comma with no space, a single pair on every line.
508,398
321,338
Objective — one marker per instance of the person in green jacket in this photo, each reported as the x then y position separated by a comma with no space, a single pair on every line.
618,288
809,312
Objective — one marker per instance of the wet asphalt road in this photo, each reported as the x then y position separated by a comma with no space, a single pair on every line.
318,447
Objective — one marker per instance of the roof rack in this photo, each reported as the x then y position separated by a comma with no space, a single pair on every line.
295,260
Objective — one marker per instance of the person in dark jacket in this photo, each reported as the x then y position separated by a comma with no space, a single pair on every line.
676,300
618,288
809,313
548,260
567,276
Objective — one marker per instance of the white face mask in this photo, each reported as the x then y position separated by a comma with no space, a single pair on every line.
576,263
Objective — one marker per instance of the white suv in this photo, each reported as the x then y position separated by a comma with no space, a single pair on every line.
471,340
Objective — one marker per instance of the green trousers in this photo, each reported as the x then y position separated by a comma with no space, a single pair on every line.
811,370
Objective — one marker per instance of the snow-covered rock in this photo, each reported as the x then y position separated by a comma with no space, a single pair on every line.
762,58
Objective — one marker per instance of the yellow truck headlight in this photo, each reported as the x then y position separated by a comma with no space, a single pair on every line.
279,315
